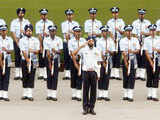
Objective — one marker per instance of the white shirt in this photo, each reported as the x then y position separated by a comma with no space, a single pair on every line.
67,26
119,23
150,42
132,44
139,26
16,26
43,26
8,44
92,26
29,43
90,58
101,45
74,44
158,25
2,22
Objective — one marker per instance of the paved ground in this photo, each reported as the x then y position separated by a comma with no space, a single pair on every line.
65,109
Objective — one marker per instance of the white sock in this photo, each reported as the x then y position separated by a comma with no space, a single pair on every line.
48,93
125,93
154,92
29,92
113,72
1,93
117,73
5,94
100,93
142,73
130,93
78,94
73,92
45,72
67,73
149,92
105,93
20,72
40,72
17,72
54,93
25,91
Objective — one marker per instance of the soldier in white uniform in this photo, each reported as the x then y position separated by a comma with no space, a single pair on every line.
67,32
17,31
107,47
6,47
152,52
91,58
76,80
92,25
130,47
116,26
42,32
140,30
29,47
54,46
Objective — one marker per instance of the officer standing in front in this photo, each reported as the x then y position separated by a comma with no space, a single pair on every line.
130,47
152,52
90,73
67,32
42,32
116,26
54,45
6,48
29,47
107,47
17,32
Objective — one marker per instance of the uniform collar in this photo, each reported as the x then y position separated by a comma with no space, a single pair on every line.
43,21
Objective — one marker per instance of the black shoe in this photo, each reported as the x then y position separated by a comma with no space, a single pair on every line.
125,98
1,98
142,79
6,99
117,78
85,112
112,78
78,99
99,98
24,98
54,99
130,100
74,98
49,98
30,99
16,78
149,98
45,79
155,99
40,77
92,112
106,99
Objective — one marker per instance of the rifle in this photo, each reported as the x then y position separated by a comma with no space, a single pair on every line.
52,64
4,63
129,61
154,58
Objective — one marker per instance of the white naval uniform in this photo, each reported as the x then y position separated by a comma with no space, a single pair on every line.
91,26
15,27
39,27
118,23
150,43
101,45
50,44
132,44
8,44
67,26
72,46
25,44
139,27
